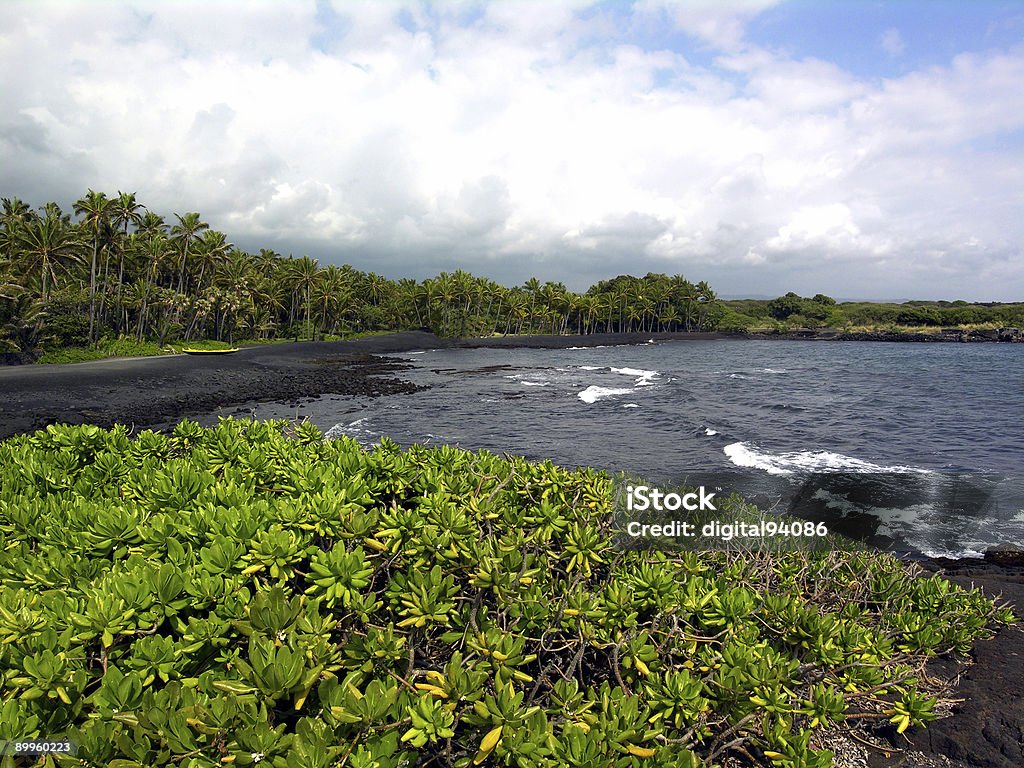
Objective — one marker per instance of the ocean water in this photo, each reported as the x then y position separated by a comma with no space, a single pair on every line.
941,421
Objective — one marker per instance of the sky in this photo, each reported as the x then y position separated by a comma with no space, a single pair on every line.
866,150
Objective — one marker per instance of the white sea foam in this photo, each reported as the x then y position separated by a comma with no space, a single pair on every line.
953,554
747,374
744,454
631,405
643,378
919,526
521,378
365,437
593,393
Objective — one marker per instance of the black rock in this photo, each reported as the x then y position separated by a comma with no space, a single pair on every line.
1005,556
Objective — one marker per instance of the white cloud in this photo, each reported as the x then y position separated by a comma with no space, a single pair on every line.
514,143
717,22
892,42
825,227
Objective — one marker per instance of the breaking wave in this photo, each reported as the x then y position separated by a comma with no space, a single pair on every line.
745,454
593,393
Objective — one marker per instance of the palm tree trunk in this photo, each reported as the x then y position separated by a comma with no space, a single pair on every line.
92,294
103,293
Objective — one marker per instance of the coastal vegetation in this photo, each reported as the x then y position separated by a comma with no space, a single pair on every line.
254,594
114,278
119,272
792,311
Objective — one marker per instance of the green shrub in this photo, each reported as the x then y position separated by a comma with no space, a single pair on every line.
255,594
120,347
733,321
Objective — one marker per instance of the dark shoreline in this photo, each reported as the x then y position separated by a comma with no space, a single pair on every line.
946,335
149,391
985,728
141,392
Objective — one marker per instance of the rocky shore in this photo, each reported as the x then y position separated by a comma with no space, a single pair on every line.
955,335
985,723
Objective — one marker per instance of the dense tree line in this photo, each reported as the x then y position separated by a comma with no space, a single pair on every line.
114,269
795,311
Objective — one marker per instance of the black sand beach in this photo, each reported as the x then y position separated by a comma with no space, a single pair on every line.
988,724
147,391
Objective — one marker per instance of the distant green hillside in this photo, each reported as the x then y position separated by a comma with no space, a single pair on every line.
820,311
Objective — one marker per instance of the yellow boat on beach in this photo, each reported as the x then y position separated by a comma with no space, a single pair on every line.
188,351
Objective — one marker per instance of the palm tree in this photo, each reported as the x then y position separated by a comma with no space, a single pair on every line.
466,292
554,298
267,261
154,250
331,293
447,292
376,288
49,242
15,211
304,275
95,209
684,296
424,296
517,310
125,210
15,214
26,324
407,290
657,292
138,296
532,286
670,318
706,299
184,232
259,322
151,224
492,291
211,248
